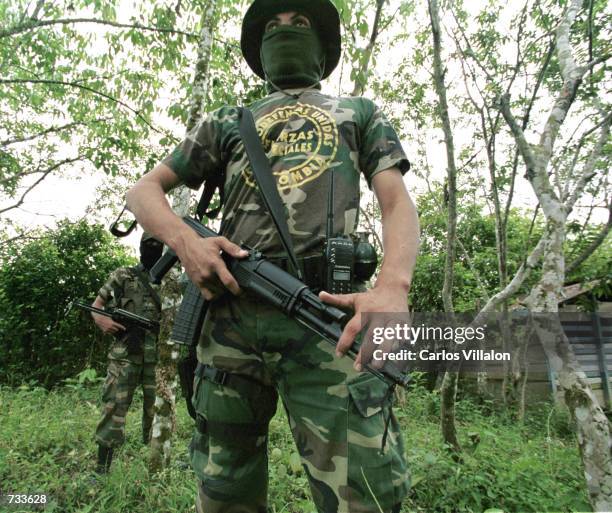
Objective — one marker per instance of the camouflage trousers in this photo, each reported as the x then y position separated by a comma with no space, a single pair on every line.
122,379
337,416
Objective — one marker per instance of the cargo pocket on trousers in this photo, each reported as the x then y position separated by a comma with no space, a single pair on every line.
370,469
228,449
110,384
234,417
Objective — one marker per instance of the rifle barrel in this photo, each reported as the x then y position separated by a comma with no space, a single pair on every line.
121,316
85,306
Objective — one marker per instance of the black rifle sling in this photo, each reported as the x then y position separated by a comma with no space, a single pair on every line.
262,172
207,194
145,283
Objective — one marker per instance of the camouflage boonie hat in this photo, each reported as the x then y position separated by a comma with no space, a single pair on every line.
322,13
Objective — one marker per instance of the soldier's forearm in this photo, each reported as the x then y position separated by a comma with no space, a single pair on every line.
147,201
400,231
98,303
401,243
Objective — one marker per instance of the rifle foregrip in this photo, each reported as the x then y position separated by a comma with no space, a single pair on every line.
169,258
190,317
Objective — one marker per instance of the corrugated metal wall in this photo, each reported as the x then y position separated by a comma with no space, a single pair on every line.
591,340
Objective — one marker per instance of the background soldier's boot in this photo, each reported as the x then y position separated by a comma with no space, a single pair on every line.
105,457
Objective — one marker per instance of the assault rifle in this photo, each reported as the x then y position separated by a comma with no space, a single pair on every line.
274,286
128,319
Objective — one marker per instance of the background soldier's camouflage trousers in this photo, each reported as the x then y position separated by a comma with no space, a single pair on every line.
337,417
121,382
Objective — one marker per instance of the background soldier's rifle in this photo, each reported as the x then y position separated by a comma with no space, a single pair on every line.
128,319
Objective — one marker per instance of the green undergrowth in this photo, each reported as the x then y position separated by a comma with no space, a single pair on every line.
46,446
506,465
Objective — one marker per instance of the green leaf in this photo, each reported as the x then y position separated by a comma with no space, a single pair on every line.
295,463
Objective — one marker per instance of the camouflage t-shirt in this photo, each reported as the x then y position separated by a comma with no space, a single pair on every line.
306,140
124,290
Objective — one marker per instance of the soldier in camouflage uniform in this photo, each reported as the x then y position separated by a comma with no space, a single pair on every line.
133,354
250,354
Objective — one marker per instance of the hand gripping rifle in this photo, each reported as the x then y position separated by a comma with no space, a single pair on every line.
276,287
128,319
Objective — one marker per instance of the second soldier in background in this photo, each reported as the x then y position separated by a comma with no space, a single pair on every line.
133,354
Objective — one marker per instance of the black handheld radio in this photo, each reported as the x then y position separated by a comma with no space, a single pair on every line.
339,252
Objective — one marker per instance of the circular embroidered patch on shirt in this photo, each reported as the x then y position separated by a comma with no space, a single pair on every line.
300,141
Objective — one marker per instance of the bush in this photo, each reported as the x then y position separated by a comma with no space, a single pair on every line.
41,341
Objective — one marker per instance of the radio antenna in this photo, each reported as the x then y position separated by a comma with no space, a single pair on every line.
330,205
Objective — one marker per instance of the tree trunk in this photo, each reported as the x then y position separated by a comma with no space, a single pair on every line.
164,422
448,391
520,370
448,395
592,425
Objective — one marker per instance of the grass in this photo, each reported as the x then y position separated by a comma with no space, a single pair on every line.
46,445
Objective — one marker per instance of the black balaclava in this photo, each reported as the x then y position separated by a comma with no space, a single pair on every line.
150,252
292,57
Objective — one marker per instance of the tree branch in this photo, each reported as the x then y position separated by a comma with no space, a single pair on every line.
566,149
200,79
21,236
49,130
572,76
567,64
18,176
45,173
358,86
518,133
590,249
37,9
591,64
589,168
519,278
524,123
34,24
440,88
85,88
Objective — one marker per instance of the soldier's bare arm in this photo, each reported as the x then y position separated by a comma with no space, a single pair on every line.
200,257
400,224
106,324
400,240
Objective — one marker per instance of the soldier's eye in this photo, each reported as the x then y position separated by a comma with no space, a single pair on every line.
271,25
301,21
